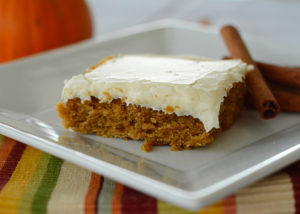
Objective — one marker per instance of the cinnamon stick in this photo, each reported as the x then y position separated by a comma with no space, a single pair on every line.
289,100
283,75
265,102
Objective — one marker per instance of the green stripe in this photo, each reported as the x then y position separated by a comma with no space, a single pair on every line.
32,188
42,196
1,139
106,196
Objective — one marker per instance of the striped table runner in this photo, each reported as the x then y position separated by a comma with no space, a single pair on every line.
32,181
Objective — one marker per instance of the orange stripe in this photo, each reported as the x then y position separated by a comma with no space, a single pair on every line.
117,199
92,194
229,205
5,149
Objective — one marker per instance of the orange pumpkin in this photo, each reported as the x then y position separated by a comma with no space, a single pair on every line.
32,26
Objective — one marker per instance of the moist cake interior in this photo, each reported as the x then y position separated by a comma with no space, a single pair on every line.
117,119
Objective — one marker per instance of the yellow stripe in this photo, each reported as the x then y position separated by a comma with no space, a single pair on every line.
27,197
216,208
166,208
69,193
11,194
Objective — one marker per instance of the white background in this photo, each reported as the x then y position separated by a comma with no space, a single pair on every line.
265,20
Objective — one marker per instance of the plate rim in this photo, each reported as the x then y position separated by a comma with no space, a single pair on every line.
184,198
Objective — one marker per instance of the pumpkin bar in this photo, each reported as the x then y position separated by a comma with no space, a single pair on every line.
183,102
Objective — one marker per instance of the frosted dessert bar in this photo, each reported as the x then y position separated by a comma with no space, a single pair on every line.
183,102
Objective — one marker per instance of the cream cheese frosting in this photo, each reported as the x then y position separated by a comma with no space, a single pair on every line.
183,85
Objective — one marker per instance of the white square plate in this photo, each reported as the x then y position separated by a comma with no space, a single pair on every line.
250,150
